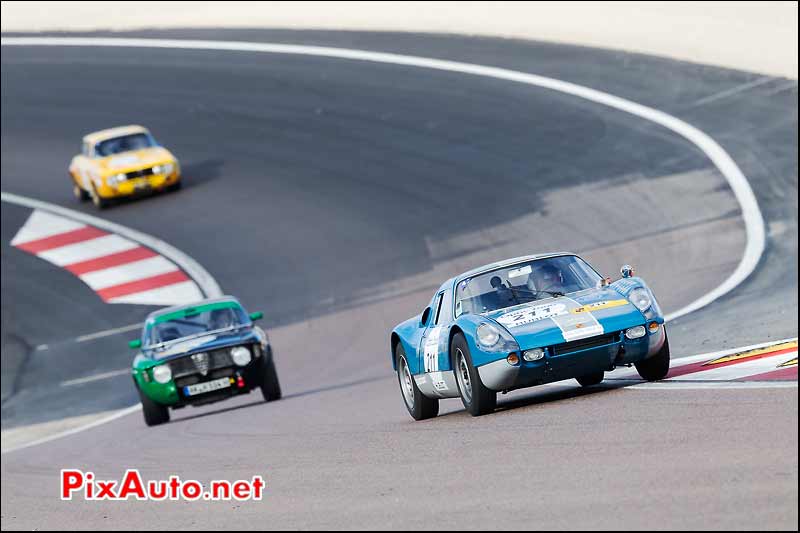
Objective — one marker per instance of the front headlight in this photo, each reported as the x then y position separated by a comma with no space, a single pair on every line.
116,179
488,335
240,355
162,374
166,169
640,297
492,338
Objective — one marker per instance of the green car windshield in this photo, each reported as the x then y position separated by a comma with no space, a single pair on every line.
524,282
193,322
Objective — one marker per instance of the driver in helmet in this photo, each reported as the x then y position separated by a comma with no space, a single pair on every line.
220,319
546,278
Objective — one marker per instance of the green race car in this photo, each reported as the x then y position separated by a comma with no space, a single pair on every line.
201,353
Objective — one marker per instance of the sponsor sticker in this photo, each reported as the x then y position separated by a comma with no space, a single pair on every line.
521,271
605,304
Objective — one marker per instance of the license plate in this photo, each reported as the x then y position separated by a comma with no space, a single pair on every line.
208,386
141,186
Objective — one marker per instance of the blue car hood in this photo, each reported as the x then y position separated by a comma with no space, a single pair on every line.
206,342
556,320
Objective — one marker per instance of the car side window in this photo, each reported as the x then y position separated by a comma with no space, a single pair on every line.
438,308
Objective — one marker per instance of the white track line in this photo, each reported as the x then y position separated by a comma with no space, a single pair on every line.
110,418
754,222
107,333
95,377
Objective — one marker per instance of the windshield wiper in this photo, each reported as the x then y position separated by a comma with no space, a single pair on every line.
535,294
554,294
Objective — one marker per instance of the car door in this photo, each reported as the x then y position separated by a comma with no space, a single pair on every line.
429,343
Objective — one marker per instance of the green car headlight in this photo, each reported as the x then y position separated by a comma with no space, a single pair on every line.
162,374
240,355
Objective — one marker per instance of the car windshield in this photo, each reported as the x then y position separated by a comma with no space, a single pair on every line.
188,323
124,143
524,282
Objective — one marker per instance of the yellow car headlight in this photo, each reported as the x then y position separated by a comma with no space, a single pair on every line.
165,169
116,179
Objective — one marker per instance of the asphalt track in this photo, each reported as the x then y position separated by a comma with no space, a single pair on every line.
334,195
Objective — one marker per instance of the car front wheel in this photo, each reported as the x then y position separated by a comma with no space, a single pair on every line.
656,367
270,386
154,412
98,201
591,379
419,406
477,399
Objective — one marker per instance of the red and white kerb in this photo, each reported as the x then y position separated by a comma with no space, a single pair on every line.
119,270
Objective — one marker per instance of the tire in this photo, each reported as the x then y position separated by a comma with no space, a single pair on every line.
419,406
154,413
591,379
79,193
477,399
270,386
98,201
175,186
655,367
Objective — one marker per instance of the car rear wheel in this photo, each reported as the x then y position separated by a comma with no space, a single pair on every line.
656,367
591,379
419,406
270,386
477,399
154,412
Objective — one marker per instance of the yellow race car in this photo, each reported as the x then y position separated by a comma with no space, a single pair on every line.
120,162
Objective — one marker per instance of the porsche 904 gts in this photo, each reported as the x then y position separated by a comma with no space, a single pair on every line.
524,322
201,353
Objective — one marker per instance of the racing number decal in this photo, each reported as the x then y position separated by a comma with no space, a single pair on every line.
431,350
532,314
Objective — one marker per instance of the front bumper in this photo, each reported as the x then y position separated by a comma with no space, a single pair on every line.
171,394
501,376
137,186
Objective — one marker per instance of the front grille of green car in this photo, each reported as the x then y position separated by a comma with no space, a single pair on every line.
184,366
197,378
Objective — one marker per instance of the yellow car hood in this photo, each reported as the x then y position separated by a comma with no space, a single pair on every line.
135,160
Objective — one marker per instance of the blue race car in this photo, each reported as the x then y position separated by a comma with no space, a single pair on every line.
524,322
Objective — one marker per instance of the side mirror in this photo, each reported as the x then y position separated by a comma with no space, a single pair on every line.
426,314
135,344
258,315
627,271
